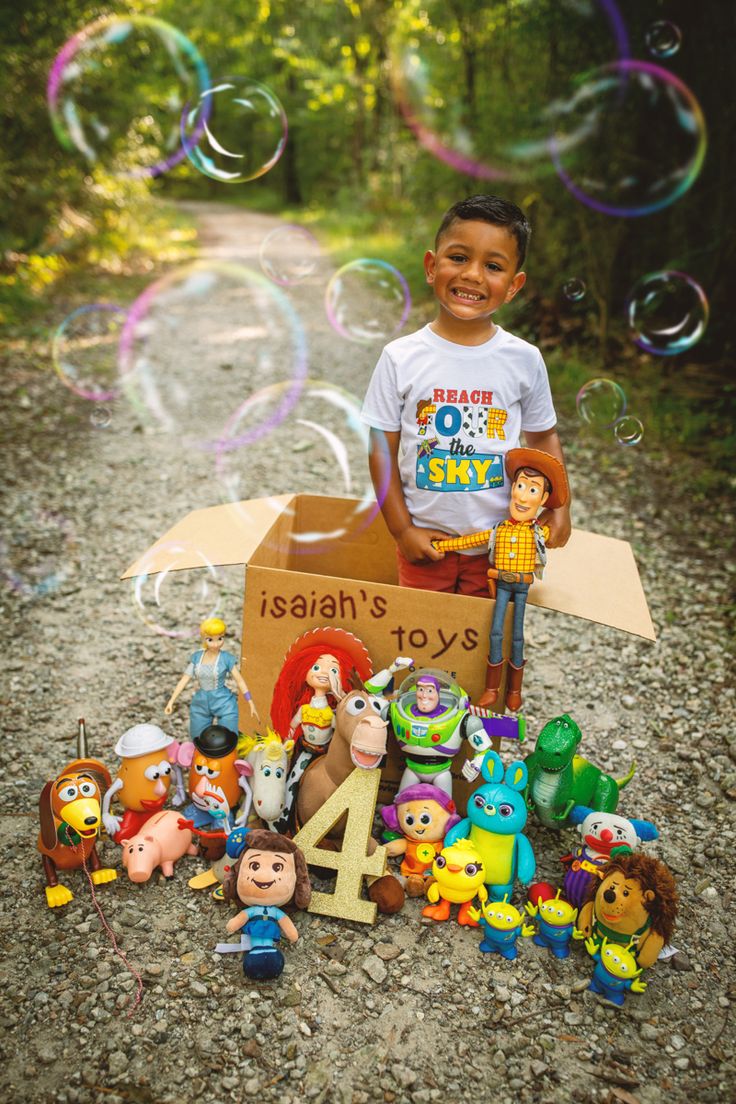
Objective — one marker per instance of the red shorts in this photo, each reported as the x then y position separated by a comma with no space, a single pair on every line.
455,574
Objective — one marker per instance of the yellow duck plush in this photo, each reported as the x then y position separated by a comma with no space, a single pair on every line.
459,878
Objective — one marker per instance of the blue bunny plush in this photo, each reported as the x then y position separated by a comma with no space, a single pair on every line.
496,817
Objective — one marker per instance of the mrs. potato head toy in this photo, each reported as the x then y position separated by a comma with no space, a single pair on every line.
141,786
69,809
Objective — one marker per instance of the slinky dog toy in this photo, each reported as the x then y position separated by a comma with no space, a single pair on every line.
70,814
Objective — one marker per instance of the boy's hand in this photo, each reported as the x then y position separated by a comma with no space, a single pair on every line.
560,526
416,544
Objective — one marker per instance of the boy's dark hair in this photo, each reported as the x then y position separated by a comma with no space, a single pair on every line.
493,209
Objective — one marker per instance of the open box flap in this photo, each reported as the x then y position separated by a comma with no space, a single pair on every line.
596,578
593,577
219,535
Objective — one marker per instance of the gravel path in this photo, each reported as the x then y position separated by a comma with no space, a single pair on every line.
400,1012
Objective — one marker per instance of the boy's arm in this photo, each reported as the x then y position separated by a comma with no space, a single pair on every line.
414,543
559,520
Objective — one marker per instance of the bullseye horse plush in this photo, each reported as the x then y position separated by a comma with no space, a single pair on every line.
359,741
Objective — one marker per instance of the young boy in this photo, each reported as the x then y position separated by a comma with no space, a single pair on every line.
445,404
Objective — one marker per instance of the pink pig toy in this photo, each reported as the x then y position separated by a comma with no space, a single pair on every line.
160,843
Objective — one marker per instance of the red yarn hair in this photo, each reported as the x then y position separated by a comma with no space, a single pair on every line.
291,690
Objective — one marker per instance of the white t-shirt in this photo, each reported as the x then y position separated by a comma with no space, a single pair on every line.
460,408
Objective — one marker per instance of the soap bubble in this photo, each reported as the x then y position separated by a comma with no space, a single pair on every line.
601,402
640,139
38,551
367,300
667,313
473,107
116,91
178,588
200,339
628,430
574,290
289,254
663,39
235,132
84,351
320,449
101,417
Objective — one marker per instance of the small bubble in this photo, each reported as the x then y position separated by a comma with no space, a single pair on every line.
601,402
663,39
289,254
367,300
178,587
574,290
667,313
628,430
235,132
100,418
84,351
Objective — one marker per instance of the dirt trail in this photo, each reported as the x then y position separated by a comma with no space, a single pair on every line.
394,1013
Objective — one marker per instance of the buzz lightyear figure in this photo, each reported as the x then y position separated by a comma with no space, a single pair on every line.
430,719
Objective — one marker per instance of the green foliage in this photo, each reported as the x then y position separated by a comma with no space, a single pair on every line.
486,78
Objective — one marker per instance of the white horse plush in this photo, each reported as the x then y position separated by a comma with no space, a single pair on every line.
269,757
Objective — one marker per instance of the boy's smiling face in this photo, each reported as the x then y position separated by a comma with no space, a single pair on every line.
473,272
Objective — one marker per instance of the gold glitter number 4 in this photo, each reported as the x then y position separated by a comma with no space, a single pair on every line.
356,798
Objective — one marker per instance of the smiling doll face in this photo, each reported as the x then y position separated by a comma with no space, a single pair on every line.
266,878
423,820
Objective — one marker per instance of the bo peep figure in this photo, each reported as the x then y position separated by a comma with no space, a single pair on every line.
214,702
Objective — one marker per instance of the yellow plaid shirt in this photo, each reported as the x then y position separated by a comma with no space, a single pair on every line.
515,549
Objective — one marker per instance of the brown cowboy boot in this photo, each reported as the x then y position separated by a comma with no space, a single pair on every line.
489,697
513,689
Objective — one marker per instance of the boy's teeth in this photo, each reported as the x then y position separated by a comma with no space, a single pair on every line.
468,295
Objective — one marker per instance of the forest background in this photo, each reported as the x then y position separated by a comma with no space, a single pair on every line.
353,171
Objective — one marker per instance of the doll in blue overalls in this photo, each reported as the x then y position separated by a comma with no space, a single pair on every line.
214,702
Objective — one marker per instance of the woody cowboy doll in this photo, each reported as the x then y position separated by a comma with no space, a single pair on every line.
517,554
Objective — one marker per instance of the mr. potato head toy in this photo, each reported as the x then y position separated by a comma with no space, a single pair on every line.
141,786
217,785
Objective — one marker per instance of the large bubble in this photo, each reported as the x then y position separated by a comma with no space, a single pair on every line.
667,313
367,300
39,551
236,130
85,351
601,402
321,448
117,89
173,600
289,254
640,139
201,339
461,76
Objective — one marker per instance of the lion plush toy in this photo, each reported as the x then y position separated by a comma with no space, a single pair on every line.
635,899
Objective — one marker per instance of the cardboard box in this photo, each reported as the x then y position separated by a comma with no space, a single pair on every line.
293,584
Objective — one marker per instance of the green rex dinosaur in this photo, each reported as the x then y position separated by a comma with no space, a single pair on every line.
559,779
